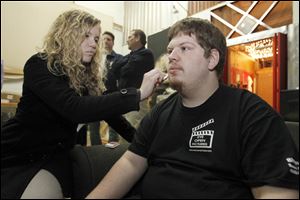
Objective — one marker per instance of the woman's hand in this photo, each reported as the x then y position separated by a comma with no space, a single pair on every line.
151,79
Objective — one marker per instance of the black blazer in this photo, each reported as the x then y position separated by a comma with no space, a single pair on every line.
49,111
131,69
110,80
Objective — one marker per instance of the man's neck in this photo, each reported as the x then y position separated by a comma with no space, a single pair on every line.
108,51
137,47
193,97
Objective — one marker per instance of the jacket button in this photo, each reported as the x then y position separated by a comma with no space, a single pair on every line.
123,91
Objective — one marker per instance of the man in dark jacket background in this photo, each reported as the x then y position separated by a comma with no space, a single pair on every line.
110,82
131,68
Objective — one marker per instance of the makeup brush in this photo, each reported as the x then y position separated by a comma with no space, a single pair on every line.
165,77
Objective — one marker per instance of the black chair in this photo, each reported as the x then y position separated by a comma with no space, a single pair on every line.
289,109
294,130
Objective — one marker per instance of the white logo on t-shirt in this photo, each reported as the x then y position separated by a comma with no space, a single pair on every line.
201,140
293,165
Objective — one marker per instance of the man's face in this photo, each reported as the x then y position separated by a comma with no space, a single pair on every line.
108,42
187,65
132,40
90,44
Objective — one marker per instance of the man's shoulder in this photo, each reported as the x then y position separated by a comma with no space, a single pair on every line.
148,51
148,55
144,51
116,55
245,99
164,104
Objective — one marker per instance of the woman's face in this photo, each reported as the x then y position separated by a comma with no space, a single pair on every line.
90,43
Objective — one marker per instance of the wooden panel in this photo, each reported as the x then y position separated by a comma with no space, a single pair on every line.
228,15
264,84
243,5
235,34
259,28
223,28
198,6
12,70
9,97
281,15
13,73
260,8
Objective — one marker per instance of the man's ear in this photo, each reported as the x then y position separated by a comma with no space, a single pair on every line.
213,59
137,38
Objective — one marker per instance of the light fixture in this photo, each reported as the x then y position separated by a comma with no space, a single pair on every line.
247,25
175,11
260,49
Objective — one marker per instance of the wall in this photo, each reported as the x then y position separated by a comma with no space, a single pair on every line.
23,27
293,44
115,9
293,49
241,61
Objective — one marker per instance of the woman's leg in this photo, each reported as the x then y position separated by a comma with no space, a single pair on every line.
43,186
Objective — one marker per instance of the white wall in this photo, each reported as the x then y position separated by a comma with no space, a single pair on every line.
114,9
23,27
293,49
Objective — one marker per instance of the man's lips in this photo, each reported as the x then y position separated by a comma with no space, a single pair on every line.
173,70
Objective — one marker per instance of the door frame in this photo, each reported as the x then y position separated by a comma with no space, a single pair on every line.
279,36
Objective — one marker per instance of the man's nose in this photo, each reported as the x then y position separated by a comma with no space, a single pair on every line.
173,55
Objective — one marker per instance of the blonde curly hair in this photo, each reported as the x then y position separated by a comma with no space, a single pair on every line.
162,63
61,49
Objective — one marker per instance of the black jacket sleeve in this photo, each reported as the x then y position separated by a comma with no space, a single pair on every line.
123,127
55,93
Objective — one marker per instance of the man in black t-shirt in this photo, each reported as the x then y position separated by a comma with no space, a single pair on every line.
207,140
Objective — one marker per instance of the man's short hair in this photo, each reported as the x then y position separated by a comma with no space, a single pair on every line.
110,34
208,36
141,34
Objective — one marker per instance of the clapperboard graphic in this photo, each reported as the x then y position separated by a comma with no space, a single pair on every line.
202,139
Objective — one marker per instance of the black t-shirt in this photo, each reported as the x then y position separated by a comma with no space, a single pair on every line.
220,149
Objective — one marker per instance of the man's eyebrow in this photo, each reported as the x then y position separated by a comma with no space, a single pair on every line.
186,42
182,43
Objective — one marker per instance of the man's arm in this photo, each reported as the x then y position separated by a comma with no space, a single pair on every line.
122,176
271,192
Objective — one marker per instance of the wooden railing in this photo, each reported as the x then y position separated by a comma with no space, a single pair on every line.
198,6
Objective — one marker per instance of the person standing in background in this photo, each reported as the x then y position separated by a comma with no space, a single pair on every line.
131,69
110,82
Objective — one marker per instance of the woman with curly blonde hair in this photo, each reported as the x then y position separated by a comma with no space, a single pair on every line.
64,57
62,89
